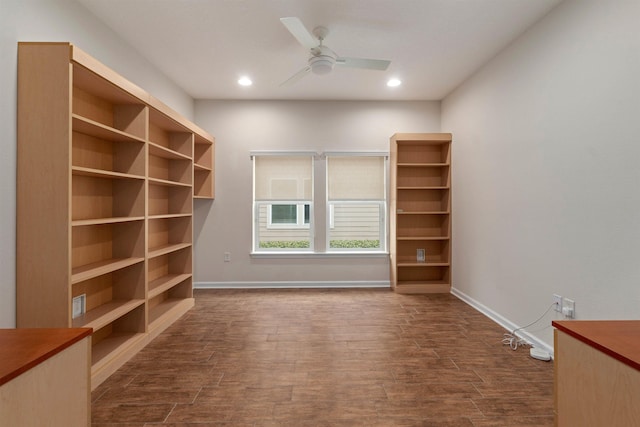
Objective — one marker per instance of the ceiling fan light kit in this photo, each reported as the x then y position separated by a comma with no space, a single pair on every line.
322,59
322,64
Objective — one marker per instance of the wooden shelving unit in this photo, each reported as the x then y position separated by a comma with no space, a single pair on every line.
203,165
421,212
105,201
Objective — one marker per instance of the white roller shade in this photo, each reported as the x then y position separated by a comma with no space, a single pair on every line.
355,177
287,178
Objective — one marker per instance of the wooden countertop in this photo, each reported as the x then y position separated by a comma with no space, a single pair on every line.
22,349
619,339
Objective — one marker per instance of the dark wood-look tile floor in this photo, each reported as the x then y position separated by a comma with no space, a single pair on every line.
356,357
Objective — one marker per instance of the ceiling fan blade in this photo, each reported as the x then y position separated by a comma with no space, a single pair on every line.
300,32
297,76
370,64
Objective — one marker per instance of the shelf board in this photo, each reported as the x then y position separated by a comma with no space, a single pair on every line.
424,213
421,139
426,287
102,315
199,167
196,196
99,173
422,165
95,269
110,220
93,128
167,183
423,264
167,311
166,249
422,238
164,283
169,216
440,187
167,153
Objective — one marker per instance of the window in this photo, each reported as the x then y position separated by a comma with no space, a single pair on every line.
285,216
356,202
283,202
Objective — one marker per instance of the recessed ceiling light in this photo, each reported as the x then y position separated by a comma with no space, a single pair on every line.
394,82
245,81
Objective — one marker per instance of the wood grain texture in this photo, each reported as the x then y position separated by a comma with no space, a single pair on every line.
23,349
64,401
593,388
619,339
328,358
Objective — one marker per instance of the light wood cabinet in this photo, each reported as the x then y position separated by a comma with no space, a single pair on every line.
44,377
421,212
106,181
597,373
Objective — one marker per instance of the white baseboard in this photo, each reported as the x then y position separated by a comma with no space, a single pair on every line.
292,285
502,321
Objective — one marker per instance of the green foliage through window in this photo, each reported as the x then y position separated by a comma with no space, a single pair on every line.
355,244
283,244
339,244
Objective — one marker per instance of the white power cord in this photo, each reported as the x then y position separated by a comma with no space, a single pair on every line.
514,341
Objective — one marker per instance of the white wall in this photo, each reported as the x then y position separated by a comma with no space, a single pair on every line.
244,126
546,169
56,20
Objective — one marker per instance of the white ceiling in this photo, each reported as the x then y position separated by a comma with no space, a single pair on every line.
204,46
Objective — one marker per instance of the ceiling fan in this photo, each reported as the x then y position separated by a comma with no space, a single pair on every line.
323,59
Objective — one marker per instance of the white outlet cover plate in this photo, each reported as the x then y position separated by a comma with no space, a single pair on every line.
78,306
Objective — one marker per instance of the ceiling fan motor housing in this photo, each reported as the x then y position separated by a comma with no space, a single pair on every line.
323,60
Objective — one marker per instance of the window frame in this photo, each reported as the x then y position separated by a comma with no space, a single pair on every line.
319,161
257,204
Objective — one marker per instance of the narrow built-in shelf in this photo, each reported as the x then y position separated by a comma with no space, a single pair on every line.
166,249
93,128
89,271
167,153
101,316
164,283
100,221
200,167
167,183
100,173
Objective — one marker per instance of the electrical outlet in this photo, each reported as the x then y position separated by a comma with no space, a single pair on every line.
569,308
557,300
420,255
79,304
227,257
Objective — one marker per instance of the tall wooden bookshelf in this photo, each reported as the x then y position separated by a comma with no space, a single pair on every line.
106,181
421,212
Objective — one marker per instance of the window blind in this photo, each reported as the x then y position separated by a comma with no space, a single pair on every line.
287,178
355,178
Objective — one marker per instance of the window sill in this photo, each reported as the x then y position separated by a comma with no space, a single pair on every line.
336,254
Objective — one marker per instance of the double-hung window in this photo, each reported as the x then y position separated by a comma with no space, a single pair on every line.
283,202
356,202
